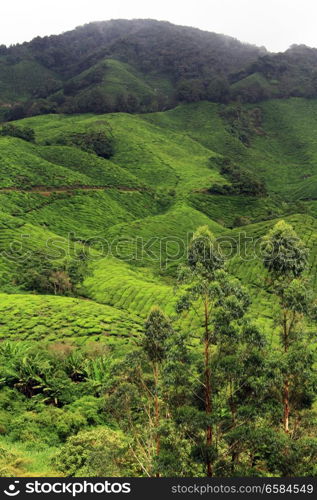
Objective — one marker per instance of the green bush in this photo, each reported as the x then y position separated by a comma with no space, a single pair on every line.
98,452
41,274
95,141
25,133
243,182
51,426
11,464
241,221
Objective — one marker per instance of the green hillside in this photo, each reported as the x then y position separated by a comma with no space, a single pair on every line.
34,317
88,245
142,66
156,185
158,180
131,66
180,148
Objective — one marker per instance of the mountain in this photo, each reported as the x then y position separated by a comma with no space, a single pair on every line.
145,66
140,65
96,212
289,74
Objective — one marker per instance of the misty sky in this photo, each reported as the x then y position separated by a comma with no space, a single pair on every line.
274,23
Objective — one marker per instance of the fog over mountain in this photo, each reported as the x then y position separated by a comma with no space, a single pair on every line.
275,24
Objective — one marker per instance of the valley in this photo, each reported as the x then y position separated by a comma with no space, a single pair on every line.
90,242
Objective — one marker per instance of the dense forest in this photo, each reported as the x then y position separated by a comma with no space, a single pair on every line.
158,216
128,66
142,66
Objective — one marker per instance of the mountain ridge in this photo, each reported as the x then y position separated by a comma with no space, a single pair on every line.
73,72
144,65
96,214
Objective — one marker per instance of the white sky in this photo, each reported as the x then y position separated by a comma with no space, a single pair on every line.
275,24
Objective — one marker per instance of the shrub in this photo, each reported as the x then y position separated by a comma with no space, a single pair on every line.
243,181
98,452
96,141
40,274
25,133
241,221
243,123
11,464
51,426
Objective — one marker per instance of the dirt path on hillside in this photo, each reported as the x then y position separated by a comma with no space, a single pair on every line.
48,190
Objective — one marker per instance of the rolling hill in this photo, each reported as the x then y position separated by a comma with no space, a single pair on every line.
119,65
134,214
142,66
204,131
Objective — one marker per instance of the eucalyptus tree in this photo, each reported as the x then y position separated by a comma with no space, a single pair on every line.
136,396
156,333
220,303
286,259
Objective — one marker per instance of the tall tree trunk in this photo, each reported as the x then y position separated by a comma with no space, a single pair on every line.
286,405
234,459
208,407
234,453
157,411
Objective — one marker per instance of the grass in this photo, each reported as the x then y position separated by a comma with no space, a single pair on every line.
155,155
115,282
160,241
225,209
88,215
122,78
26,461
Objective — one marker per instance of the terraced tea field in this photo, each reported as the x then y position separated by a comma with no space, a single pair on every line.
133,214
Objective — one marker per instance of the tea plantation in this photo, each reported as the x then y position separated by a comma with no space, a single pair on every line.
88,245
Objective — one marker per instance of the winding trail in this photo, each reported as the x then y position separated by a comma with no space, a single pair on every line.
48,190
